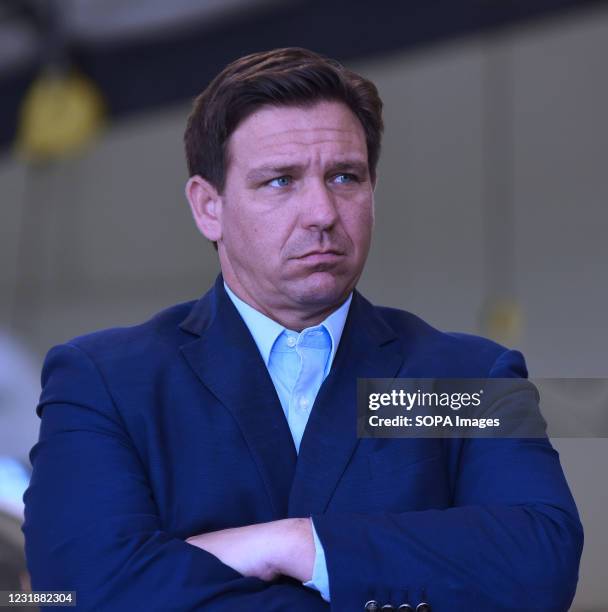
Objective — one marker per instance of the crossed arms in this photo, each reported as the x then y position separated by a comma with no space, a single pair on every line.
92,525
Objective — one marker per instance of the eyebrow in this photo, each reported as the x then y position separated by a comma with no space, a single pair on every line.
263,172
360,167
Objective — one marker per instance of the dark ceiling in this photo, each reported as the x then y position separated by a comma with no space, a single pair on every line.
146,68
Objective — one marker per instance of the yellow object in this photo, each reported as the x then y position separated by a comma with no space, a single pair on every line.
61,113
502,321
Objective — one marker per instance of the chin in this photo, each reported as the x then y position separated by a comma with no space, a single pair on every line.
323,289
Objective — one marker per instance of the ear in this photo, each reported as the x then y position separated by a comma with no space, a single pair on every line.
206,206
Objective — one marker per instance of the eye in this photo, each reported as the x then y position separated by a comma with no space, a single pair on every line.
344,178
280,181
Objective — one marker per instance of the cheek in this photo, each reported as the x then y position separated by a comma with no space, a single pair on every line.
261,240
241,225
358,221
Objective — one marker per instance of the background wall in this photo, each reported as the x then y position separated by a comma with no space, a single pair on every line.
492,189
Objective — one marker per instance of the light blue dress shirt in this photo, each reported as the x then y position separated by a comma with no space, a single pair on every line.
298,363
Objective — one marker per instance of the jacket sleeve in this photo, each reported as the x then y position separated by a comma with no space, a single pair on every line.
511,540
91,524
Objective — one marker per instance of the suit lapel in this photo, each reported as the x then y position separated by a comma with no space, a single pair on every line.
228,363
367,350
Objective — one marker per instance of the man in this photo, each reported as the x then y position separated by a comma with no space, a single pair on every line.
208,459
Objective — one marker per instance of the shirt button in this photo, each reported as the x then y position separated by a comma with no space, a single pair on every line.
291,341
303,403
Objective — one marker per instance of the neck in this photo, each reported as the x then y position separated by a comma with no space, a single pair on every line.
295,319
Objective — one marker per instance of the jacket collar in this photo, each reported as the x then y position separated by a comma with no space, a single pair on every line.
225,358
368,350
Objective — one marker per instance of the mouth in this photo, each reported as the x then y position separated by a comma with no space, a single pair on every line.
317,257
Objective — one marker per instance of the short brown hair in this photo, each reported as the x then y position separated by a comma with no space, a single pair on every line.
282,77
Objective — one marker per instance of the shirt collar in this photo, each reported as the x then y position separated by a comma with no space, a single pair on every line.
334,324
265,330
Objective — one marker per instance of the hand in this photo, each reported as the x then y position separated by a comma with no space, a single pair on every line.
265,550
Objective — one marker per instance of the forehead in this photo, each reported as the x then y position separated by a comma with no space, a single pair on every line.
326,129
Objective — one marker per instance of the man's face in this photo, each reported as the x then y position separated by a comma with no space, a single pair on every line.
297,210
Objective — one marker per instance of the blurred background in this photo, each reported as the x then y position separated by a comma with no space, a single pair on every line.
492,202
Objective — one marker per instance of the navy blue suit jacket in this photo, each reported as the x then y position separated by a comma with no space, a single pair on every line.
154,433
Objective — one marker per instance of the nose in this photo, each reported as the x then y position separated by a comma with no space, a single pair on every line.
318,208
